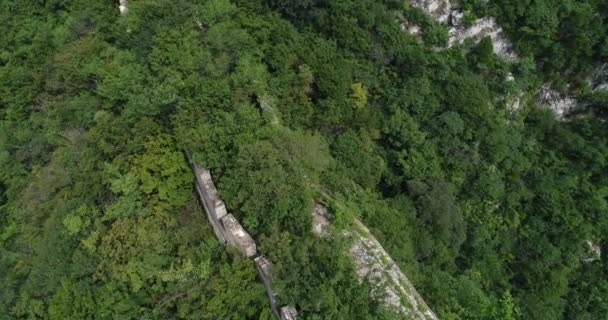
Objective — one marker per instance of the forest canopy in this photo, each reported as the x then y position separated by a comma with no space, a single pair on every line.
490,212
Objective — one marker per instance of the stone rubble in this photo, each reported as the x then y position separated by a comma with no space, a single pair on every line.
599,78
447,12
440,10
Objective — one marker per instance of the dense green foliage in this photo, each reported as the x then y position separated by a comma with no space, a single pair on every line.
565,37
288,102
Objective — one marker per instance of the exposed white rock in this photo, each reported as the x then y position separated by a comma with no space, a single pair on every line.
593,252
560,104
237,237
456,18
440,10
603,86
444,11
514,104
123,7
289,313
483,27
599,78
320,220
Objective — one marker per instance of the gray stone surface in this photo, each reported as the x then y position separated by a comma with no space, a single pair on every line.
483,27
440,10
289,313
320,220
447,11
237,237
375,265
123,7
560,104
593,252
211,199
264,268
229,231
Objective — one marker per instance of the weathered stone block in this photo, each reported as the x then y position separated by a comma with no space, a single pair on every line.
237,237
211,200
264,267
289,313
215,224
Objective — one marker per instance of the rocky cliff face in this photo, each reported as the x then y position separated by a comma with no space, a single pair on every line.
445,11
599,78
559,103
482,28
440,10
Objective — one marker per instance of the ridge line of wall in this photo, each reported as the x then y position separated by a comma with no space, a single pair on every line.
229,232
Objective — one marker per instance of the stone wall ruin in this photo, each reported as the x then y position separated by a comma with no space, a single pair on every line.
374,264
230,232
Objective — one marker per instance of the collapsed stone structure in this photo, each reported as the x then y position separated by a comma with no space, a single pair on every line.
230,232
375,265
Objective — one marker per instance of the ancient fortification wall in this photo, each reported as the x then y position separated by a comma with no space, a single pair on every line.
230,232
375,265
372,262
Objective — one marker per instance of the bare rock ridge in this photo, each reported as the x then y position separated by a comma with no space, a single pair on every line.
563,104
375,265
230,232
559,103
444,11
448,12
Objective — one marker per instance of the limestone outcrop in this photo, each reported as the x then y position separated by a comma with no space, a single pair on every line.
320,220
559,103
440,10
599,78
447,12
484,27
